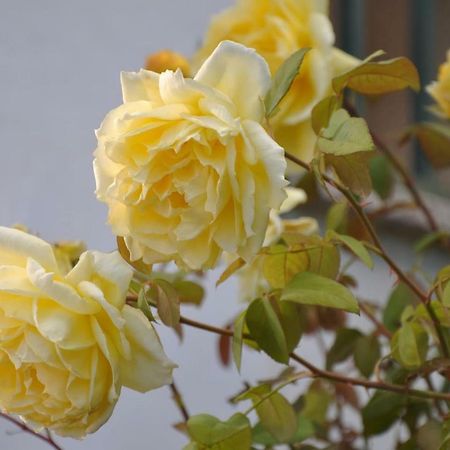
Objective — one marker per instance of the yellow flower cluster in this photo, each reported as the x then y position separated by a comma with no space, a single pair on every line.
276,29
68,341
440,89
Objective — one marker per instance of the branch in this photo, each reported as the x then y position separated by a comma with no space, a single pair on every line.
47,438
179,401
333,376
404,175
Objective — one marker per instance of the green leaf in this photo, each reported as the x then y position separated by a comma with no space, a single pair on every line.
291,321
345,135
276,414
367,354
265,328
283,79
353,171
230,270
281,264
189,292
143,305
311,289
343,347
167,302
322,112
337,216
381,176
434,140
373,78
410,345
317,401
446,295
211,433
356,247
401,297
381,412
236,346
429,239
305,430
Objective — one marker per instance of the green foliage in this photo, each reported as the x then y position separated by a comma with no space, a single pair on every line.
276,414
283,79
410,345
337,215
167,302
434,140
322,112
381,412
209,433
266,329
401,297
317,402
236,346
230,270
355,246
343,347
345,135
367,353
381,175
311,289
189,292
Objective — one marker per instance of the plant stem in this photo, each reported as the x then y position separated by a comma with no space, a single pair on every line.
379,326
404,175
333,376
48,438
179,401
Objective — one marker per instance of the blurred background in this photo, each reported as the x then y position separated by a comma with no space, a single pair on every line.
418,29
59,75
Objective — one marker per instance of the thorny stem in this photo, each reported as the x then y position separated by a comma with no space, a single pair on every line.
333,376
47,438
379,249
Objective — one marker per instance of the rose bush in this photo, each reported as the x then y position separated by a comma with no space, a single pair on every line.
185,165
68,341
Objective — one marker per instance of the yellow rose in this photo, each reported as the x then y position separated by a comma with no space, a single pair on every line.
276,29
185,165
440,89
68,342
167,60
251,279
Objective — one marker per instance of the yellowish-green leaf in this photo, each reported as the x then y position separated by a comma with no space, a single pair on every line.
275,413
355,246
167,302
236,346
311,289
382,77
281,264
265,328
353,171
366,355
434,140
283,79
230,270
381,176
322,112
410,345
212,434
345,135
143,305
343,346
337,216
317,402
189,292
305,430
